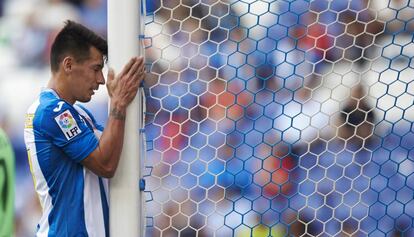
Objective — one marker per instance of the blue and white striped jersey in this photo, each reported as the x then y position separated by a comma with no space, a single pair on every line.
58,137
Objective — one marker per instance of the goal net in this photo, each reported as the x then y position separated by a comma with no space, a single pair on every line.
279,118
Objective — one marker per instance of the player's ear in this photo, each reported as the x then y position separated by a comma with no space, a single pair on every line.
67,63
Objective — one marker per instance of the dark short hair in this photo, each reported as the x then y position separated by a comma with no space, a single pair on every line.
75,40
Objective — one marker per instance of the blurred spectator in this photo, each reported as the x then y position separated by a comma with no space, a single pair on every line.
397,15
1,7
93,14
42,24
76,3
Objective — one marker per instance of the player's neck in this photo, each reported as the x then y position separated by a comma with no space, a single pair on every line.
56,84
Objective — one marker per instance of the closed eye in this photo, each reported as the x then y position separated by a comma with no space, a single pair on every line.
97,68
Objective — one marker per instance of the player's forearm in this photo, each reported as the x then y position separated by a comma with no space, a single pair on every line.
111,141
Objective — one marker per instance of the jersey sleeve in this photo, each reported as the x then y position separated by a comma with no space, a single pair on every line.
67,130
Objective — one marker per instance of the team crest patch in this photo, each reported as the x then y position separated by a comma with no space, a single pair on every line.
68,124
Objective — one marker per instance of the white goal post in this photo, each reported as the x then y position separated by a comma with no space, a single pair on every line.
125,198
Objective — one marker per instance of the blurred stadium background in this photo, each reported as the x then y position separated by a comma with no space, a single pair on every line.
264,118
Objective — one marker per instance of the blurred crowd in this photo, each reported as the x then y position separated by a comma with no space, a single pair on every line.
34,24
275,118
266,118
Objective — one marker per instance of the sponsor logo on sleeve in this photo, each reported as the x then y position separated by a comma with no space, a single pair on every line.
59,107
68,124
28,123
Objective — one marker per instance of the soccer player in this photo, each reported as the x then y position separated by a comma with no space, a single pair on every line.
70,155
6,186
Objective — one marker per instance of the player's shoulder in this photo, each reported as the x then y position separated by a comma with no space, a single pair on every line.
49,108
50,104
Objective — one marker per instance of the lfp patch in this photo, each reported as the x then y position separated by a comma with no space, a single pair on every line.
68,124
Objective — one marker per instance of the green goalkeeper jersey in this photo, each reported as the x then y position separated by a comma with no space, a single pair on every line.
6,186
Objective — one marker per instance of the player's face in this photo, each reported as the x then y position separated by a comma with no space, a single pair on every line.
88,76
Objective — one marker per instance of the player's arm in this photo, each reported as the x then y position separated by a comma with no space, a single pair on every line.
122,89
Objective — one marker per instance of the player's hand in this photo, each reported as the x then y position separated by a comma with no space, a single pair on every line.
123,87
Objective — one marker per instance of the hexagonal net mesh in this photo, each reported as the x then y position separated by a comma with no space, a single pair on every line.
279,118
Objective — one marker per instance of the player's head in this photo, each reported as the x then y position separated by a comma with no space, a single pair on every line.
77,56
75,40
